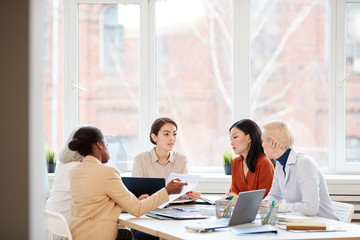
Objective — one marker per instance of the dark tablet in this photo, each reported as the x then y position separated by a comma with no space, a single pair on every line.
143,185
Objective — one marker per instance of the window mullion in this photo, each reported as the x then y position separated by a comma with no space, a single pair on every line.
241,60
147,72
70,66
339,90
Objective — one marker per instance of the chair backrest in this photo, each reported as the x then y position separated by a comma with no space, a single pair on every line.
344,211
57,225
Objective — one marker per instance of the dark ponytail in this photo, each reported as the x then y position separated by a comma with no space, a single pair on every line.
84,138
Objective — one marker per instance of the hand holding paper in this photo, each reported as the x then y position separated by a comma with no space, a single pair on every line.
192,181
175,186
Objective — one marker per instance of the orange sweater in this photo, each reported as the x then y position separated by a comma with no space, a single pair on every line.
260,179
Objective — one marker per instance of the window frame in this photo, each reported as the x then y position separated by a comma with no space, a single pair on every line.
338,82
241,72
147,79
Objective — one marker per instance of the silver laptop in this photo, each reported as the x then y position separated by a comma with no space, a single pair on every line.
245,211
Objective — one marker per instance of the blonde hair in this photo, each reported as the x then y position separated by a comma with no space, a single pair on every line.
281,132
66,155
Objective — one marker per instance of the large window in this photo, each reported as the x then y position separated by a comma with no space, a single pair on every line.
109,71
206,64
290,69
113,42
194,75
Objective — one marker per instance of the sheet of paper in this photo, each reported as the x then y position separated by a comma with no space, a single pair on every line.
261,229
192,181
172,197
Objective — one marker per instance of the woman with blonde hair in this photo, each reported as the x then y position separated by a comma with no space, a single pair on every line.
298,182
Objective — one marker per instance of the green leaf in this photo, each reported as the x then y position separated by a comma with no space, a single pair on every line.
50,156
227,157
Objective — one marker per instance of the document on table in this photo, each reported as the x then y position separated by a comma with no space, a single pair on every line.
260,229
192,181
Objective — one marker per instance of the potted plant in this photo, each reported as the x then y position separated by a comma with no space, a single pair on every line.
51,161
227,159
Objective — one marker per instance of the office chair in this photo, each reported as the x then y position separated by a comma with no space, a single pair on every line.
57,225
344,211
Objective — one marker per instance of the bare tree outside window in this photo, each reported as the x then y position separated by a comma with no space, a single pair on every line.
196,87
290,69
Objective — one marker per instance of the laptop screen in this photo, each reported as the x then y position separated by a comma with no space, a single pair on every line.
143,185
246,207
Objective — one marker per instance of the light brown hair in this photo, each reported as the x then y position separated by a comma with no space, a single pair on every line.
157,125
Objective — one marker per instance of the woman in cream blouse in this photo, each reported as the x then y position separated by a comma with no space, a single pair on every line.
161,160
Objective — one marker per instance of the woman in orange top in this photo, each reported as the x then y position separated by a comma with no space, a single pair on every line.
251,170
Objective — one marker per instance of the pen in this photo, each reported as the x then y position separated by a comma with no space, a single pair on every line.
229,198
230,202
268,216
206,200
179,209
224,209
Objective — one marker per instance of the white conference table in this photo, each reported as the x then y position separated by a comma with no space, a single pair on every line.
175,230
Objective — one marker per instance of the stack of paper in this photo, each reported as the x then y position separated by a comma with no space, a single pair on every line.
292,217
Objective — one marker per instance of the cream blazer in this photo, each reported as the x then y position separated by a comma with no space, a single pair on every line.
98,195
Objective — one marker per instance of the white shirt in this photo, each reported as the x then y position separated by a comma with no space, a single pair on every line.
60,197
303,187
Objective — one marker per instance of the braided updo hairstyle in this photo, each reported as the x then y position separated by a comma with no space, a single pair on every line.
84,138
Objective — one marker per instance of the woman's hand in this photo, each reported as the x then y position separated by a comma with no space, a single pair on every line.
193,195
175,186
265,203
143,196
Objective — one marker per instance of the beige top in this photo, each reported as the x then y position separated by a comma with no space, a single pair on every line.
146,164
98,195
